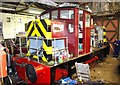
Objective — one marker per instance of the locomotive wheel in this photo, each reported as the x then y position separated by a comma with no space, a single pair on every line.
31,73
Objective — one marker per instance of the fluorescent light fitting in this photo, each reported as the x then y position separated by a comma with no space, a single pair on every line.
35,12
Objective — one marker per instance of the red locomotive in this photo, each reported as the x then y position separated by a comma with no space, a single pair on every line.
68,30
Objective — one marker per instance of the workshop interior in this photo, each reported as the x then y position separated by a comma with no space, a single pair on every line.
53,42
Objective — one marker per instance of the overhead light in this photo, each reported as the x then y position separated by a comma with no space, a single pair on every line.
67,4
3,8
35,12
108,0
47,2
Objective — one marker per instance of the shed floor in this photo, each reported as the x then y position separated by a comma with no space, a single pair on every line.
106,71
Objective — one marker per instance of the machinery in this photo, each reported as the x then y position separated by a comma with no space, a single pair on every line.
49,39
44,47
53,46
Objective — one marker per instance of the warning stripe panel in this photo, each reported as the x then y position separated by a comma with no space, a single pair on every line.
44,24
104,34
40,31
48,21
47,44
104,40
48,35
35,32
47,49
42,28
103,29
28,25
30,29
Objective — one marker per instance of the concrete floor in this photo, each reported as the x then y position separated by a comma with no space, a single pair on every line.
106,71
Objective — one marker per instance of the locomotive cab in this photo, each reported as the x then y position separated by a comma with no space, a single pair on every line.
78,24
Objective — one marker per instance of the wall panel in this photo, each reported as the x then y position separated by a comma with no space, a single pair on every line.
13,23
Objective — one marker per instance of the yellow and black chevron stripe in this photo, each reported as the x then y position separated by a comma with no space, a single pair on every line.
42,28
104,35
